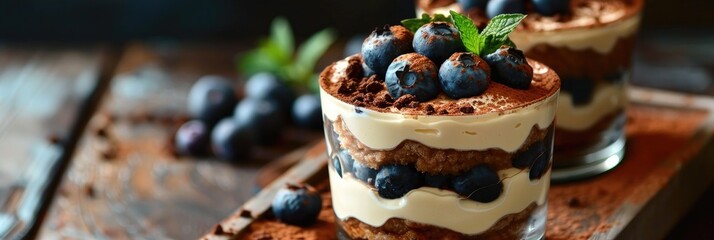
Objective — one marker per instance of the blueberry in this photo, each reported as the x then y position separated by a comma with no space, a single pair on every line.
509,67
437,181
267,86
211,98
347,160
354,45
540,166
264,117
469,4
231,141
527,157
366,71
297,205
437,41
414,74
363,172
480,184
581,89
337,165
464,75
193,138
385,44
393,181
496,7
307,112
551,7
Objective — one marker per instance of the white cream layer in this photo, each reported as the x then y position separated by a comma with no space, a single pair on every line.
383,131
606,100
601,39
442,208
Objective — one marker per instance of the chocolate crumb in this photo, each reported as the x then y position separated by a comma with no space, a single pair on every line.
443,112
101,132
405,101
245,214
89,191
466,109
374,87
574,202
430,109
109,152
218,230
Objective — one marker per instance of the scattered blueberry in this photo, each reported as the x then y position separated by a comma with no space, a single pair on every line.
393,181
297,205
267,86
509,67
437,181
469,4
527,157
193,138
363,172
581,89
551,7
464,75
414,74
437,41
479,184
354,45
347,160
385,44
264,117
337,165
231,141
211,98
366,71
496,7
307,112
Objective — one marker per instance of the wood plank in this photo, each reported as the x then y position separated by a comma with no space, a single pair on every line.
670,151
125,182
46,96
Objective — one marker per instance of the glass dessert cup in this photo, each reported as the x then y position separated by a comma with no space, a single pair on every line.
591,51
503,146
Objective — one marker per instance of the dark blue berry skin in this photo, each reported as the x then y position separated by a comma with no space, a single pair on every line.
437,41
193,138
551,7
264,117
267,86
540,167
384,45
337,165
437,181
307,112
496,7
509,67
469,4
393,181
464,75
366,71
347,160
581,89
231,141
526,158
363,172
480,184
413,74
298,206
211,98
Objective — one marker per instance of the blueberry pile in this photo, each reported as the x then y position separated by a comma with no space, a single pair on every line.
496,7
229,128
297,205
481,183
433,59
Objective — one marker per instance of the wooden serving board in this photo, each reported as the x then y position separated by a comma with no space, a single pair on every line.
126,183
668,164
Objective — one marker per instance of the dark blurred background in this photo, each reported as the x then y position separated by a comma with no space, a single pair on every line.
121,20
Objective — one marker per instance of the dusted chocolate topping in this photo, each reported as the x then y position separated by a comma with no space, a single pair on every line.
343,80
584,13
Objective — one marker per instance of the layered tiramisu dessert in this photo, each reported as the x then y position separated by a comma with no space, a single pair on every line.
589,43
431,136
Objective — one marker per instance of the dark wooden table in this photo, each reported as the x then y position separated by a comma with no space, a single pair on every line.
122,181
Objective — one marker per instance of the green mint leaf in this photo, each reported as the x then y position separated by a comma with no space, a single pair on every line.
282,35
497,31
310,51
468,31
413,24
255,61
441,18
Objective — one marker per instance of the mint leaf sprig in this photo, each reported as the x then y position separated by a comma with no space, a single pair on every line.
492,37
413,24
276,54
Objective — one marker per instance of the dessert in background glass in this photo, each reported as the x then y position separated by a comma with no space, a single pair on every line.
590,45
412,157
